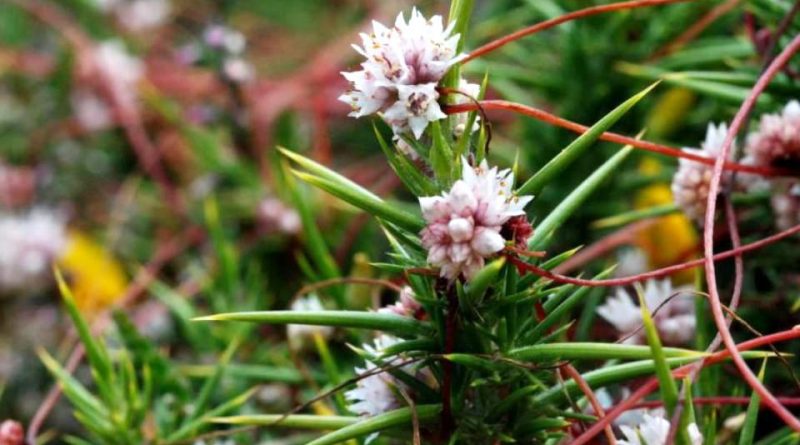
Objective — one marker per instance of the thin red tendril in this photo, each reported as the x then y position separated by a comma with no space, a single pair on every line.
547,24
550,118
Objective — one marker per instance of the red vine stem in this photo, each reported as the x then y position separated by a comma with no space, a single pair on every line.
591,397
717,400
665,271
550,118
652,384
547,24
733,228
708,237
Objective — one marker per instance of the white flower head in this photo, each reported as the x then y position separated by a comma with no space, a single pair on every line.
675,321
654,430
31,241
403,65
777,141
470,91
464,223
691,182
299,334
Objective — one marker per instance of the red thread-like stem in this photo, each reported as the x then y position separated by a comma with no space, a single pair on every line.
547,24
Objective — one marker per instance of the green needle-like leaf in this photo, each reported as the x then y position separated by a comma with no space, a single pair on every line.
299,421
399,417
365,201
567,207
594,351
669,389
345,319
573,151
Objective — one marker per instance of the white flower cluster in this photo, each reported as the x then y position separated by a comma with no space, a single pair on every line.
777,140
776,143
675,321
691,181
375,394
31,241
232,44
403,67
464,223
299,335
122,71
654,430
137,15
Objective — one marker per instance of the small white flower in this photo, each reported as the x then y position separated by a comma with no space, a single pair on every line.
276,215
122,70
238,70
654,430
471,91
606,400
402,68
631,262
464,224
300,334
675,321
91,111
691,182
224,38
406,306
31,241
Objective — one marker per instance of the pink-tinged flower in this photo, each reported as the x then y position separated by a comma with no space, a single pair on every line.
238,70
277,216
675,321
654,430
776,143
406,306
402,68
31,241
464,224
11,433
691,182
299,335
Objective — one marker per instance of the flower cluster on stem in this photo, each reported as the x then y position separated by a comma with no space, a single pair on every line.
464,224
